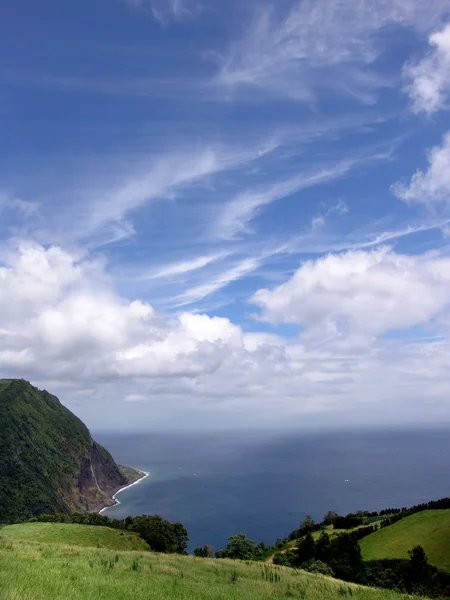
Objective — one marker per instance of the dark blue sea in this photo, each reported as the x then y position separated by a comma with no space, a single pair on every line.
263,484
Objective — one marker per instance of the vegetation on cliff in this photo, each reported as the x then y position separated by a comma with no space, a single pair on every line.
48,459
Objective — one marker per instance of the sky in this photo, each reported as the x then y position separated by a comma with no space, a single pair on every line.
227,214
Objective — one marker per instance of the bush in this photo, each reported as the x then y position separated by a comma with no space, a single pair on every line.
285,559
161,535
317,566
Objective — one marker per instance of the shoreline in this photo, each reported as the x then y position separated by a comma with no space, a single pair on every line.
122,489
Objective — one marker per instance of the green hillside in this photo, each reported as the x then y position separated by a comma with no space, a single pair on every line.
74,535
38,570
429,529
48,460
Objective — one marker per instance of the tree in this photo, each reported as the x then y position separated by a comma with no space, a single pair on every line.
323,547
238,547
307,525
161,535
419,573
306,550
205,552
330,517
317,566
285,559
345,558
182,537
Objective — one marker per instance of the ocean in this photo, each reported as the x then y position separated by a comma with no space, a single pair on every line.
263,484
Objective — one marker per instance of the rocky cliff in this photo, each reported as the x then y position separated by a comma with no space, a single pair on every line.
48,459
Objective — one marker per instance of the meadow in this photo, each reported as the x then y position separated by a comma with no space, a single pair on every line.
429,529
39,566
74,535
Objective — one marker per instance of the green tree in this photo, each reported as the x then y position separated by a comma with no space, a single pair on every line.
317,566
238,547
330,517
182,537
323,547
419,574
161,535
307,525
204,552
306,550
345,558
285,559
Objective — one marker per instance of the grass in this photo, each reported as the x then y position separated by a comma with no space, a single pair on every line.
429,529
75,535
36,570
332,532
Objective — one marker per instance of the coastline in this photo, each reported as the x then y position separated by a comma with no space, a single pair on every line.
122,489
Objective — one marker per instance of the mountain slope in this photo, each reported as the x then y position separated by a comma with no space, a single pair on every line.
49,571
48,459
93,536
429,529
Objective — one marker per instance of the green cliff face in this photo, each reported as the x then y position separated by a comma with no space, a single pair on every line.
48,459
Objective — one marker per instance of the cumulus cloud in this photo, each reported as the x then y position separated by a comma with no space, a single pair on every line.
363,294
428,80
118,362
433,184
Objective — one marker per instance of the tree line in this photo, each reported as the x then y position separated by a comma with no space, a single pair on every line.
340,557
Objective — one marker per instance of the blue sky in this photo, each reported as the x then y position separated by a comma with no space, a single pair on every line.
214,209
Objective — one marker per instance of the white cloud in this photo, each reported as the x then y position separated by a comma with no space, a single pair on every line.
340,208
119,363
99,211
182,267
428,81
165,11
235,216
361,294
25,208
238,212
316,45
238,271
432,185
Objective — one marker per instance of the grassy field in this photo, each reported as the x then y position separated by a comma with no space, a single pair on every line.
332,532
75,535
37,570
429,529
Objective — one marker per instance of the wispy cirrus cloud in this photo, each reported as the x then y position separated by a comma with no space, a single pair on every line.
296,53
428,80
165,11
238,212
219,281
173,269
236,215
26,208
102,209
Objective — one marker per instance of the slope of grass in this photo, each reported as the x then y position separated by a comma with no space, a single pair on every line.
74,535
42,571
329,529
429,529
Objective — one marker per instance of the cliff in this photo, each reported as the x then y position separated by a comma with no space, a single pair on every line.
48,459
